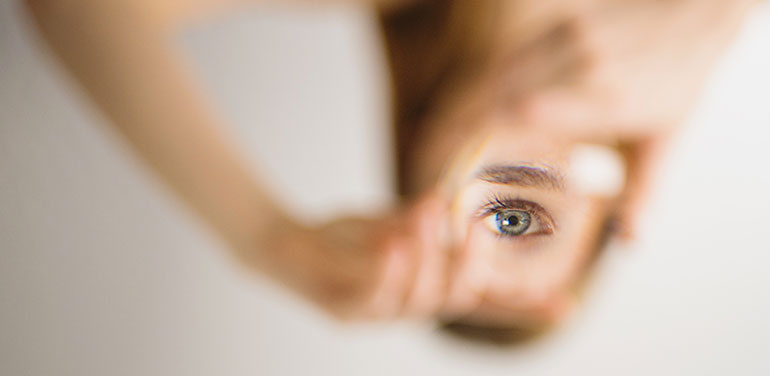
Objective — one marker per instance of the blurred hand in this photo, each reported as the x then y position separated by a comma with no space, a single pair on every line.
356,268
618,68
623,73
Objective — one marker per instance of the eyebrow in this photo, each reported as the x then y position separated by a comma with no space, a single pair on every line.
524,176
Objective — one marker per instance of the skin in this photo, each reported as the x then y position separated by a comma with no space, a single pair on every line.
620,74
526,280
551,83
122,54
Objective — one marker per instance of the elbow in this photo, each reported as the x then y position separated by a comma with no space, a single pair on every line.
54,9
43,9
37,7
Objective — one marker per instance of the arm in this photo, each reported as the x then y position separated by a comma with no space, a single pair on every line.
120,53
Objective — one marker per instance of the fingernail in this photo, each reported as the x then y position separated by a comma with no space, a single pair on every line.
597,170
620,230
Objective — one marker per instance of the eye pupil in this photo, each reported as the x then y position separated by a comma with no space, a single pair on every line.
513,222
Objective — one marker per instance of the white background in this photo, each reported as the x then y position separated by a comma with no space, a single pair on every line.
104,272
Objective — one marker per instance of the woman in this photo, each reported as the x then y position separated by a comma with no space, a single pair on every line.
619,74
480,86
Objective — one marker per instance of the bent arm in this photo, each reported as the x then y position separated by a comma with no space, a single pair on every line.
120,52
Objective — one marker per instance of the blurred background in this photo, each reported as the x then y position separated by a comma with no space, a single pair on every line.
103,271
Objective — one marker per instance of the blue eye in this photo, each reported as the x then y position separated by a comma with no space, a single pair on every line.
513,217
512,222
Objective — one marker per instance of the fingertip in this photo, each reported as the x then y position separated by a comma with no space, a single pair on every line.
386,297
622,230
426,294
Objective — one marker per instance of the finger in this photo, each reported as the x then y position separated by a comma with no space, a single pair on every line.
426,295
467,278
522,312
554,60
529,19
578,113
394,275
643,158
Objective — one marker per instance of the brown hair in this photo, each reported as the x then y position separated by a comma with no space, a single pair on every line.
431,46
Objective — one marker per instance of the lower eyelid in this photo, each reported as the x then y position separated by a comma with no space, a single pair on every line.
505,243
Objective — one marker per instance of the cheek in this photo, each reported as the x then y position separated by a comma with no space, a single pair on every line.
522,285
525,269
517,266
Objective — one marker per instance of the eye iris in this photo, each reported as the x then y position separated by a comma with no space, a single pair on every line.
513,222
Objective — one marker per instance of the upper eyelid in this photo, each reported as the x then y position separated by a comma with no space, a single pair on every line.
497,202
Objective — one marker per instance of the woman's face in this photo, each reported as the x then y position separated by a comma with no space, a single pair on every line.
528,212
527,218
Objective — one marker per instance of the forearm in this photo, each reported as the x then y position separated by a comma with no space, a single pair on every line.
122,56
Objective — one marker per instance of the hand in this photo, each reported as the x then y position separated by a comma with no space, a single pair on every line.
626,68
623,73
356,268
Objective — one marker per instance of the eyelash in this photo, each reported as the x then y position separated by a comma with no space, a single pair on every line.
497,203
